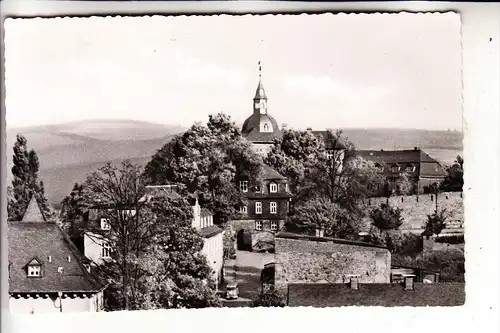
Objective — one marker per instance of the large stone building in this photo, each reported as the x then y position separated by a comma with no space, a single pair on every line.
422,169
265,212
47,273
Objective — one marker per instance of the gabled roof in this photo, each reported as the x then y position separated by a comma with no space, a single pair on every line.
269,173
376,294
152,191
210,231
29,240
33,212
429,167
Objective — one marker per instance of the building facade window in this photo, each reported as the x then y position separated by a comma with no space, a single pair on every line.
274,225
105,224
395,168
410,168
244,186
273,207
106,250
34,271
243,209
258,208
379,166
329,155
286,187
258,225
266,127
273,188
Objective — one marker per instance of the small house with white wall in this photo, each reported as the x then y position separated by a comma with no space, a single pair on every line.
96,219
46,270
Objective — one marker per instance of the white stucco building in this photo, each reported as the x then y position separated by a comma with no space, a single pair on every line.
97,250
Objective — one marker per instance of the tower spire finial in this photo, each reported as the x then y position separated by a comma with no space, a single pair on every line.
260,70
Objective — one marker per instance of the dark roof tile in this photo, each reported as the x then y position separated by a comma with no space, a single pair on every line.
28,240
210,231
376,294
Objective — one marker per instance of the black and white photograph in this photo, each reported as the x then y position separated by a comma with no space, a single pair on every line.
219,161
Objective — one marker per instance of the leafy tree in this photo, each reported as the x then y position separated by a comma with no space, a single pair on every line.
386,221
270,296
156,259
210,160
73,207
339,177
25,183
321,213
454,180
436,222
386,217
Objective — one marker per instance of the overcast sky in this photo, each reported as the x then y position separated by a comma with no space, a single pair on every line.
323,71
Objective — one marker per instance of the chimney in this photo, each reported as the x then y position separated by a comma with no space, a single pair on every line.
309,129
415,148
353,281
363,235
409,280
320,232
283,126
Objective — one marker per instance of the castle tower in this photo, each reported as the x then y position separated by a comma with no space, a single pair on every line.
260,128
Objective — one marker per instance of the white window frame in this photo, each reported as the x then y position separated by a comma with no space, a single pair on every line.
411,167
35,269
258,225
244,185
329,155
273,207
243,209
105,224
286,187
258,207
273,188
105,250
274,225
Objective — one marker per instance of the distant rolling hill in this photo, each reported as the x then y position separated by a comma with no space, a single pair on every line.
69,152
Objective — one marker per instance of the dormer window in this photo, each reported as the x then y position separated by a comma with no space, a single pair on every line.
394,168
410,168
106,250
34,268
105,224
329,154
244,186
273,188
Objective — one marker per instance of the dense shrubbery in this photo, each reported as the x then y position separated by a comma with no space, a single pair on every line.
451,239
269,296
450,264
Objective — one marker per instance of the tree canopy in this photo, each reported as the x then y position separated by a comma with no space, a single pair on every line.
25,183
335,180
454,180
155,258
210,161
